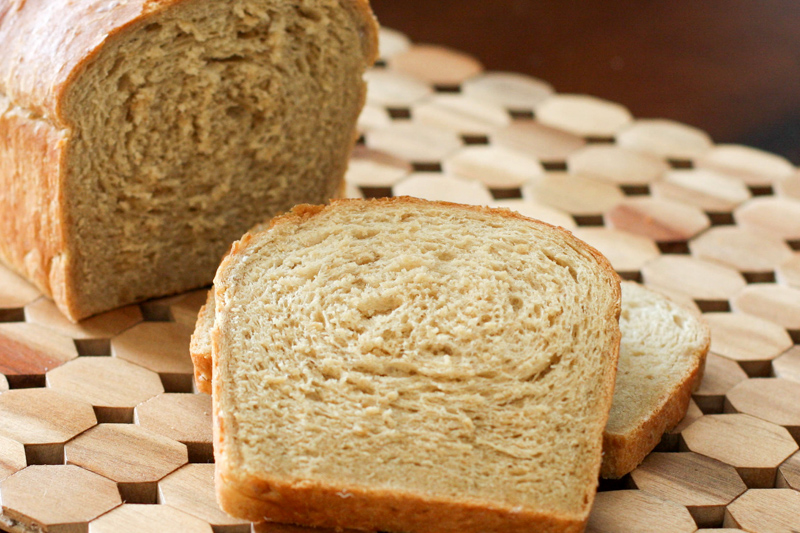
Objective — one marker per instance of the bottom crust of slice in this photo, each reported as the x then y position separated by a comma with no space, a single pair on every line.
314,504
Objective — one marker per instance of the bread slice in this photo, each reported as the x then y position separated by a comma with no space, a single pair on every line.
661,361
138,139
412,366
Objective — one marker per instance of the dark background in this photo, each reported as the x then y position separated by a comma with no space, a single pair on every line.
729,67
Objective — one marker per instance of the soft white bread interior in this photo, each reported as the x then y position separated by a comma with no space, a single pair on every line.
661,361
662,355
139,139
411,366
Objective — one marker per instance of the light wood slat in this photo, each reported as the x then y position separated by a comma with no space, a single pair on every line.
670,439
137,518
753,446
191,489
185,418
770,301
391,42
721,375
130,455
162,347
43,420
681,299
747,339
692,277
772,399
28,351
573,193
789,187
789,473
537,140
12,457
708,190
387,88
460,114
413,142
373,168
788,365
704,485
665,138
750,165
15,292
93,334
636,511
158,309
352,191
742,249
184,310
586,116
788,273
617,165
97,380
441,187
494,166
515,92
660,220
57,498
765,511
778,217
545,213
627,252
373,117
436,64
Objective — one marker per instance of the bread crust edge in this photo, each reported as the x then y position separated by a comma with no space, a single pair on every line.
303,502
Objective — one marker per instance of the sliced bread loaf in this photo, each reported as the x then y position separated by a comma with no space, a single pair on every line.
661,360
138,139
411,366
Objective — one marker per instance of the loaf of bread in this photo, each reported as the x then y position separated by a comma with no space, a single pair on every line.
412,366
139,138
661,360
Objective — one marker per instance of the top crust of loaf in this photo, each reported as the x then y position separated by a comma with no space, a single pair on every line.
492,483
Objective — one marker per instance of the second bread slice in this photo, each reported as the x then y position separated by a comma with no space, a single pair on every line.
411,366
661,361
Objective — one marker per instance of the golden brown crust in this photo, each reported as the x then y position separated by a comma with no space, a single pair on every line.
260,497
31,211
309,503
624,452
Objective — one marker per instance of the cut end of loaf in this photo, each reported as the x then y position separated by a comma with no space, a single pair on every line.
193,123
431,352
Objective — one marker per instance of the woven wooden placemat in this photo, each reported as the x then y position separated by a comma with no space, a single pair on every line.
104,412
